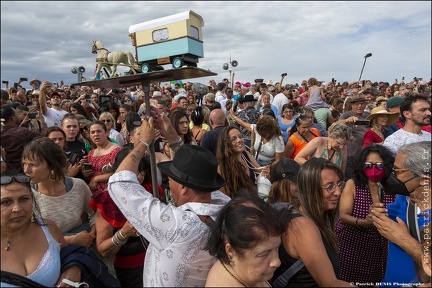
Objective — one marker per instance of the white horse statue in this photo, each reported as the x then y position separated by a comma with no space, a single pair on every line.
106,59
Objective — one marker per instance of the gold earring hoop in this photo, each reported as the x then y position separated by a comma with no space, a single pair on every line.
52,176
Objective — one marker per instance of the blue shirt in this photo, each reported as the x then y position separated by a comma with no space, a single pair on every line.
400,265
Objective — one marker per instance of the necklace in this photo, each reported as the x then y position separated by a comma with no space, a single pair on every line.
232,275
8,242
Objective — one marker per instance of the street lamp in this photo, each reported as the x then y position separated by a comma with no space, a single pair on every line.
78,70
365,57
228,66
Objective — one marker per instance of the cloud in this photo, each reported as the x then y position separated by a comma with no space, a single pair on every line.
304,39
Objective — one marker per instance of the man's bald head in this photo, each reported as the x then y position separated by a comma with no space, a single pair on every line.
217,118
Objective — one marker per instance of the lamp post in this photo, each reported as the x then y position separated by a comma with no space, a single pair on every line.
365,57
228,66
78,70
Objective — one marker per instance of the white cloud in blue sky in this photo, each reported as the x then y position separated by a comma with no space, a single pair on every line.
304,39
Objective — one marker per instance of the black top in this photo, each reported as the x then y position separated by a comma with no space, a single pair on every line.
303,278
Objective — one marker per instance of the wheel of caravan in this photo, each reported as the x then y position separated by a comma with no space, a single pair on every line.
177,62
145,68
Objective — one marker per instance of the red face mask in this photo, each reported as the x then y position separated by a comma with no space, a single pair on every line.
374,174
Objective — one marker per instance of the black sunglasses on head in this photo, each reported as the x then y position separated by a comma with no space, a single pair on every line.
18,178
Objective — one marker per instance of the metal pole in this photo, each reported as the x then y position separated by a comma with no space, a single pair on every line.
366,56
362,68
146,88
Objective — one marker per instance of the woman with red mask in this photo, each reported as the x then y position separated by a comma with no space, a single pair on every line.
363,251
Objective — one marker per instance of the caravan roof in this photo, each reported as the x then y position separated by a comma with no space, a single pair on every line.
164,21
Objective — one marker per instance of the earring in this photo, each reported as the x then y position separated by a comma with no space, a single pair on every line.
52,176
232,264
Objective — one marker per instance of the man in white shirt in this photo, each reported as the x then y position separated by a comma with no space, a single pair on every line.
177,234
415,109
53,115
281,98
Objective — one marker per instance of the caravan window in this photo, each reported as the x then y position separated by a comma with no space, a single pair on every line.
194,32
160,35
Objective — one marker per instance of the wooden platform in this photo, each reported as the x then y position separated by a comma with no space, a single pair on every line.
156,76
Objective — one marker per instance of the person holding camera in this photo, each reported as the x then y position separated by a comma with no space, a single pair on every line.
54,114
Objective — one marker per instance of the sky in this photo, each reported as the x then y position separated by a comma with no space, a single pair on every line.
325,40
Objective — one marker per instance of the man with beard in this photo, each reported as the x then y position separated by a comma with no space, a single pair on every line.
415,110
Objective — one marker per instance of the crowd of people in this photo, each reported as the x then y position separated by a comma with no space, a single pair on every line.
258,184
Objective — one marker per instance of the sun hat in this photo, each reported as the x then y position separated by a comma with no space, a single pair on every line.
286,168
194,167
156,94
247,98
394,102
392,116
34,80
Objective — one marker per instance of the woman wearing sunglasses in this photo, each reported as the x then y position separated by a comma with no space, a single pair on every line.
30,245
363,251
109,121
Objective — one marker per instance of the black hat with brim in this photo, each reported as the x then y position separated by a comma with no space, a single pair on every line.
194,167
247,98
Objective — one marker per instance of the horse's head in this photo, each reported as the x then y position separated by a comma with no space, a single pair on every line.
95,46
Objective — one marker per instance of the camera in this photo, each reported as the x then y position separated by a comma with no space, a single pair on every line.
284,74
22,79
5,82
88,166
32,115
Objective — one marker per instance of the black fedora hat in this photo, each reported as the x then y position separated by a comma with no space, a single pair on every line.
247,98
194,167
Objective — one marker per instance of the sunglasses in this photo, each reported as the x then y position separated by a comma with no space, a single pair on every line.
9,179
369,165
128,100
106,120
85,128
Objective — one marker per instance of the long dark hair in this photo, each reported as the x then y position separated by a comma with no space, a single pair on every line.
175,117
359,176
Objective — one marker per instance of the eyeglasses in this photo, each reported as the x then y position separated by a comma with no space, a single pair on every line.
332,187
106,120
395,170
20,179
234,138
369,165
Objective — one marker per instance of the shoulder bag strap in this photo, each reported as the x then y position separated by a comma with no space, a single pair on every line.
412,220
283,279
258,150
18,280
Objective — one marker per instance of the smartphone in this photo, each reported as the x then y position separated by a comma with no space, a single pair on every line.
73,158
22,79
37,86
32,115
88,166
361,122
333,81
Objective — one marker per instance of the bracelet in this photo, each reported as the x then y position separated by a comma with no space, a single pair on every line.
357,224
112,240
145,143
121,242
177,147
121,234
177,142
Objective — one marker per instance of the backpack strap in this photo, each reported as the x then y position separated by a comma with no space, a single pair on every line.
283,279
69,183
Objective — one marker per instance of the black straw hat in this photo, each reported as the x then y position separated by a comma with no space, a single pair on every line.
194,167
